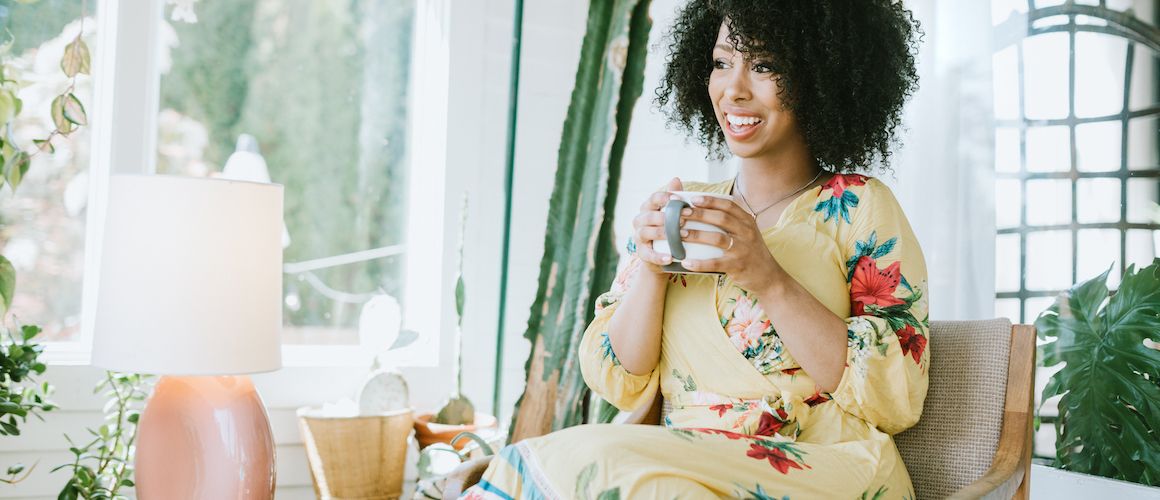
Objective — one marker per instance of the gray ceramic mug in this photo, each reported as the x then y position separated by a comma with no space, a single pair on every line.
672,243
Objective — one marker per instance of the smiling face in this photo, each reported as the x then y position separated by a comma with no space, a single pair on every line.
745,99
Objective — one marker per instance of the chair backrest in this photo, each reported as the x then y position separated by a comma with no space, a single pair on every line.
957,438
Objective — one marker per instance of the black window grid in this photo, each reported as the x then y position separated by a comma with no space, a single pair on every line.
1119,24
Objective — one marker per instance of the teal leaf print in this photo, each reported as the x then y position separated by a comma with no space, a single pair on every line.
687,435
606,349
609,494
759,493
584,480
878,495
838,207
870,248
687,381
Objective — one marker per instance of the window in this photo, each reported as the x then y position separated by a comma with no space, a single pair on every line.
44,223
319,91
322,90
1077,151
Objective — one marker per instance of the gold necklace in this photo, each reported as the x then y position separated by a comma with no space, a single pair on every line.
736,182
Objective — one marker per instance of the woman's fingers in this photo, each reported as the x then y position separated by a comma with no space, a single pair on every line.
714,238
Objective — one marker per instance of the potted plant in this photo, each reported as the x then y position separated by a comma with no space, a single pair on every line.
1109,343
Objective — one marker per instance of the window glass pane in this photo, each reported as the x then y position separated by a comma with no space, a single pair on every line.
1007,263
321,87
1007,308
1143,146
1098,200
1049,260
1035,306
1097,146
1002,9
1045,75
1098,250
1143,79
1048,201
1142,198
43,222
1008,200
1006,149
1143,246
1048,149
1005,79
1099,74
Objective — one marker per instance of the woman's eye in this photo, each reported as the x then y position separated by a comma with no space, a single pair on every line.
720,64
762,68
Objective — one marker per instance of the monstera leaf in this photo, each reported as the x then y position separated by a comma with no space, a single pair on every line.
1109,413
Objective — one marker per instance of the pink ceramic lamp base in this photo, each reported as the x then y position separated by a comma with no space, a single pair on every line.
204,438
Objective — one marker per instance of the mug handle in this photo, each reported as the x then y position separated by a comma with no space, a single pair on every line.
673,228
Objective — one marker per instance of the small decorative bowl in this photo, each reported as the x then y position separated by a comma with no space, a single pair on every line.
429,433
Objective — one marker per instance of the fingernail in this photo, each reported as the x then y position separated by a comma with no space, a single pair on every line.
666,259
698,200
684,232
687,211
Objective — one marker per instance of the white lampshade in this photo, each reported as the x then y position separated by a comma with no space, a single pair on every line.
191,277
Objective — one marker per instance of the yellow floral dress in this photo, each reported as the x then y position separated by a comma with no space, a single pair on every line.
746,421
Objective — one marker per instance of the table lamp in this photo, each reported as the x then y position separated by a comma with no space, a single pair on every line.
190,289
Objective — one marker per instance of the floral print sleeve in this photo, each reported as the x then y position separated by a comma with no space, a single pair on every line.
885,380
599,364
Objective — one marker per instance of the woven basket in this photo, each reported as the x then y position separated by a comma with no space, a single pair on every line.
356,458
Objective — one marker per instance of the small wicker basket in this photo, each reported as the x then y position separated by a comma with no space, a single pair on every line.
356,458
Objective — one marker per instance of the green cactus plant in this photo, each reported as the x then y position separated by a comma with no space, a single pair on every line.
580,255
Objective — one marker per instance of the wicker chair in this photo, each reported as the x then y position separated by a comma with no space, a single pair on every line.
974,438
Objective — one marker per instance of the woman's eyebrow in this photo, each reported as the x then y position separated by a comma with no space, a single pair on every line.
724,46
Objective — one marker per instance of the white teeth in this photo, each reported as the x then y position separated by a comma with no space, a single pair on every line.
737,120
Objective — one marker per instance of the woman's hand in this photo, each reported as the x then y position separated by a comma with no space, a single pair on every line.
747,260
649,225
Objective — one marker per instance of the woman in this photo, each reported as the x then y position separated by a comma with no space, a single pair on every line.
788,373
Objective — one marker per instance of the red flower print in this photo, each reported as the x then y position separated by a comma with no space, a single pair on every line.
873,286
721,408
792,371
817,399
775,456
719,432
839,183
769,424
912,343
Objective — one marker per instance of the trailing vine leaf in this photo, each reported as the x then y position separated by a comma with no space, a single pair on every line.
15,169
44,145
74,111
76,58
9,106
1109,412
7,284
62,123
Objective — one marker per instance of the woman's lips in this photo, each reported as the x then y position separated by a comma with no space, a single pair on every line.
741,132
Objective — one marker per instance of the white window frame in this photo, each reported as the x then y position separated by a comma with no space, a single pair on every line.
126,94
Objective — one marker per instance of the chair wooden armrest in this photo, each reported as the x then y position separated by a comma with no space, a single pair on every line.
465,476
1010,472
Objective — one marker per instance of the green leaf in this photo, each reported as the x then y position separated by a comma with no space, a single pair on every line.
64,125
44,145
76,58
74,111
7,284
459,299
8,106
27,332
1107,424
15,469
16,167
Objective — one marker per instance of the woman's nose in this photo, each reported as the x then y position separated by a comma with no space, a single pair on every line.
737,83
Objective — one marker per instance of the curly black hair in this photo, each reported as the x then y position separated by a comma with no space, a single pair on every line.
844,68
